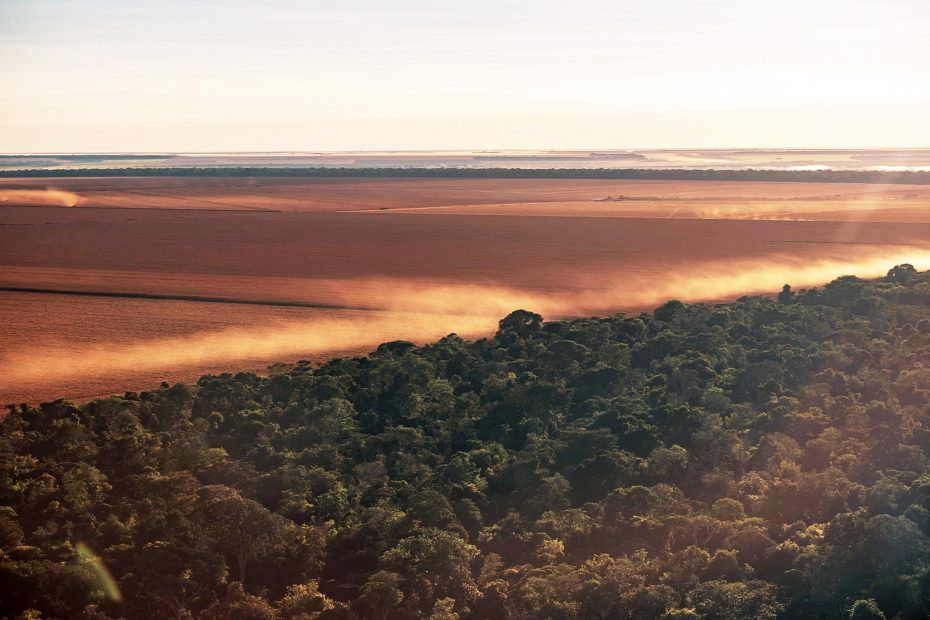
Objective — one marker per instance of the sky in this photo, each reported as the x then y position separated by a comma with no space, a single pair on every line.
288,75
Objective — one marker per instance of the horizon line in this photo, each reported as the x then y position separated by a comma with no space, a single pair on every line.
472,150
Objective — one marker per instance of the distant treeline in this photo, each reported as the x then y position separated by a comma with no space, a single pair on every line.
794,176
86,156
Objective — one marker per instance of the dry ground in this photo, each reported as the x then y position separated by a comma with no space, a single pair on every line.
374,259
293,194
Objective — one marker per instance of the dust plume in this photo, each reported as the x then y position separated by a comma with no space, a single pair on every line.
423,311
281,340
49,196
587,293
720,280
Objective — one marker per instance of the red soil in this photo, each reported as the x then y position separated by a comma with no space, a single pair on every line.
453,255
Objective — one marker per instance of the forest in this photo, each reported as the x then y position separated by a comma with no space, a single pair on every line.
759,459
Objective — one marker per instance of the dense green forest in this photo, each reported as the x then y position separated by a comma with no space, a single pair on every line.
766,458
652,174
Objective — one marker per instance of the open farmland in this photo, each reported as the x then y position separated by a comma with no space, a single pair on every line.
314,194
111,284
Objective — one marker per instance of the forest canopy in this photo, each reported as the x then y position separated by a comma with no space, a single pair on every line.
765,458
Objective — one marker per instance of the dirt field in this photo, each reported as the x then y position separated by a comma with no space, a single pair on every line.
167,278
294,194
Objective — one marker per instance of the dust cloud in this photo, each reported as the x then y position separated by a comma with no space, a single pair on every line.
422,311
720,280
279,340
607,292
49,196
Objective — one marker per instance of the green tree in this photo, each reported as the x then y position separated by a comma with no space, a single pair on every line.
436,565
240,527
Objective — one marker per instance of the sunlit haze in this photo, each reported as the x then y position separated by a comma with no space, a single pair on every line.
103,75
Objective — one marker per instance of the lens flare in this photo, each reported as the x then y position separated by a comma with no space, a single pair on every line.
101,573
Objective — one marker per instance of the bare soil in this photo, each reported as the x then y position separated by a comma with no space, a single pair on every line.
195,275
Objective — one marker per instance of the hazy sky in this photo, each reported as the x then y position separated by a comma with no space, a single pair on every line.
201,75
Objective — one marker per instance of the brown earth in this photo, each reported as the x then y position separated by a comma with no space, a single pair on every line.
239,273
340,194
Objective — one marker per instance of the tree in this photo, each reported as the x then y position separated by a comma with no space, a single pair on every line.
304,601
240,605
436,564
865,609
519,324
380,595
444,609
902,273
11,533
238,526
786,296
721,600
